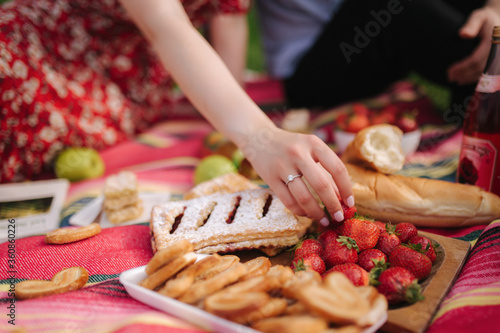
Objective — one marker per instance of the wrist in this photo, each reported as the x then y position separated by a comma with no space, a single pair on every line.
255,137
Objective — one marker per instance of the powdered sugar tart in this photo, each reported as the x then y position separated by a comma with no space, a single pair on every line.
253,218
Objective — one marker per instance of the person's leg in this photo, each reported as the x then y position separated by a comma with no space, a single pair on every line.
370,44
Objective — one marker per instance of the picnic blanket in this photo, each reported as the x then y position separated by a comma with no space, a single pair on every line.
163,159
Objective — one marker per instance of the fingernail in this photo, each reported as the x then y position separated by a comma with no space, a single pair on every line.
324,222
350,201
338,216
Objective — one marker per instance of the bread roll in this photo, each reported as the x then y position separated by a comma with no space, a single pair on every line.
377,147
423,202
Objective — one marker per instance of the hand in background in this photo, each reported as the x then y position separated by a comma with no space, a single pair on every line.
479,24
276,153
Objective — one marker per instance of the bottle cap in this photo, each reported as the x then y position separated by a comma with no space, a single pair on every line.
496,31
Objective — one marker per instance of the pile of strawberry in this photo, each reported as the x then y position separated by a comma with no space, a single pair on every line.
360,116
392,258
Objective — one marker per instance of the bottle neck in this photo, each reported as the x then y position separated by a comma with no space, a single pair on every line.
493,63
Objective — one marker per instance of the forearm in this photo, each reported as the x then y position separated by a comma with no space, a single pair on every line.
228,35
493,3
197,69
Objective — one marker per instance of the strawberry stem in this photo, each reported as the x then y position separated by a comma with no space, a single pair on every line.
413,292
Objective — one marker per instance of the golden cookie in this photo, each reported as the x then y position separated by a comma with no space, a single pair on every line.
166,255
68,279
291,324
297,308
70,235
166,272
299,280
272,308
281,274
182,282
203,288
231,305
336,300
256,267
222,265
378,307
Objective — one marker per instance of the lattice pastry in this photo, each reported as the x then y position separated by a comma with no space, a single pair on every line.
247,219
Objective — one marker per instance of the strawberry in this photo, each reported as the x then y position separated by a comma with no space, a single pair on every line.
405,231
357,275
360,109
407,121
327,237
417,263
424,245
380,225
341,121
369,258
342,251
357,122
307,246
364,232
387,242
309,262
349,212
386,115
398,284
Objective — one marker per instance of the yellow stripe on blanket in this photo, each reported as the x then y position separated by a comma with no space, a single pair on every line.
470,298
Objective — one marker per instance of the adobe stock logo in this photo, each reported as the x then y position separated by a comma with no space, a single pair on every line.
362,39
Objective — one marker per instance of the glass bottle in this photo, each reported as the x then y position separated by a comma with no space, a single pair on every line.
479,162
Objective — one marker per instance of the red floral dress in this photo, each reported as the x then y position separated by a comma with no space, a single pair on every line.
78,73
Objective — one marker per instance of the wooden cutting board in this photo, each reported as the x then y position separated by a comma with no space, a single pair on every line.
416,317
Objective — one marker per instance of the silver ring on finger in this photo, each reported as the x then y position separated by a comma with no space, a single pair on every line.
290,178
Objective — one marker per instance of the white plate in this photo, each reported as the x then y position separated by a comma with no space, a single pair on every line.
88,213
194,315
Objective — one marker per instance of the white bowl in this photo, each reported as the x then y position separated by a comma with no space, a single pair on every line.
409,142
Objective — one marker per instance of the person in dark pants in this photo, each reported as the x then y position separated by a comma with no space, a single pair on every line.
333,51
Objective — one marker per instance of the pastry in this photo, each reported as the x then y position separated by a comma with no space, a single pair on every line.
230,305
292,324
227,222
70,235
66,280
121,200
166,255
158,277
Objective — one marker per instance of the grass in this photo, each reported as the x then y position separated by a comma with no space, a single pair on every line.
255,54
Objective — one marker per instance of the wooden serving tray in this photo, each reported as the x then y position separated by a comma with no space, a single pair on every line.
416,317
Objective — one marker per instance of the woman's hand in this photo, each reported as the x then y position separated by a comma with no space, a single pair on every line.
275,154
479,24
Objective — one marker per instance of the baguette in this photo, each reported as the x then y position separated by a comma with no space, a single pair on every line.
377,147
423,202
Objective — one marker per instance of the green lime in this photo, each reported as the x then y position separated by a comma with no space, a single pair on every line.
211,167
79,163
